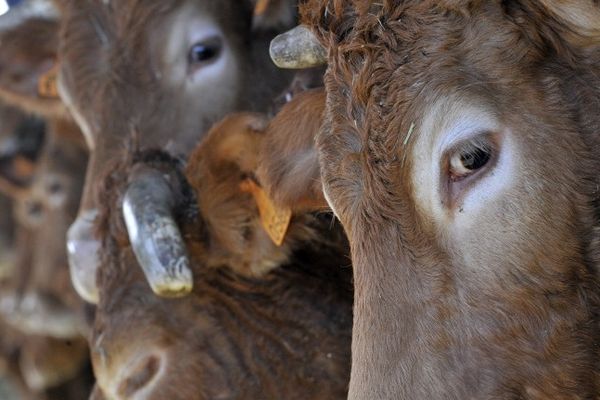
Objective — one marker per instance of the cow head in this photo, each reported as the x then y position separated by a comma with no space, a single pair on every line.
459,148
164,80
242,291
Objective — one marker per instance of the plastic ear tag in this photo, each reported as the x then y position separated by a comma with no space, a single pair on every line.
47,83
274,220
261,7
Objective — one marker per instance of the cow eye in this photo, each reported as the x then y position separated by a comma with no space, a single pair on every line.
55,188
33,213
204,52
470,157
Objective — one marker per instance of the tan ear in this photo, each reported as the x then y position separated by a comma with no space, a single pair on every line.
581,18
289,167
274,14
236,139
28,53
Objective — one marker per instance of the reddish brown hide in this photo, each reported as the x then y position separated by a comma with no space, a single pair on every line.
460,151
261,322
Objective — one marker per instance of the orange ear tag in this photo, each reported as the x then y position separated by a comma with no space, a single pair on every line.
47,83
274,220
261,7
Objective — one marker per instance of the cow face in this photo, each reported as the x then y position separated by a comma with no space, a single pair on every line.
43,301
457,148
246,288
164,81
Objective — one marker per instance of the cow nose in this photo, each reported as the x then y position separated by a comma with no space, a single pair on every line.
141,378
133,378
82,250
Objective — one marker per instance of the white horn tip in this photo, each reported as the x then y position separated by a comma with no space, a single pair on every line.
179,285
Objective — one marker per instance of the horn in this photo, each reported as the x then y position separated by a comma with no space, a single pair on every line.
154,235
296,49
36,314
83,254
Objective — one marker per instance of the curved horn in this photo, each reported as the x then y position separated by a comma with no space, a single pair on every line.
83,253
154,235
297,48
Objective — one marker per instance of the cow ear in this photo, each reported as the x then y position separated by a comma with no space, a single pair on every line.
235,140
289,166
28,53
578,21
274,14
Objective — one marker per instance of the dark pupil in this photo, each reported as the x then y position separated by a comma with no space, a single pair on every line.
54,188
475,159
201,53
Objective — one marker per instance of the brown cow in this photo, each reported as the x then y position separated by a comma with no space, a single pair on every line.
460,150
49,204
263,321
38,301
46,301
165,71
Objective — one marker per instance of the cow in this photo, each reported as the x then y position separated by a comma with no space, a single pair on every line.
270,313
37,301
45,302
459,149
163,71
49,198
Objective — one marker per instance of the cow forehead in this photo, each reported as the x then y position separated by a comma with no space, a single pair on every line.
389,74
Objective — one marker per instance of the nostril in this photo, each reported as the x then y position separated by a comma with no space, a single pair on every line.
34,209
140,377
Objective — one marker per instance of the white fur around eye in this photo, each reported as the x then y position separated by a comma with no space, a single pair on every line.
191,27
447,125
